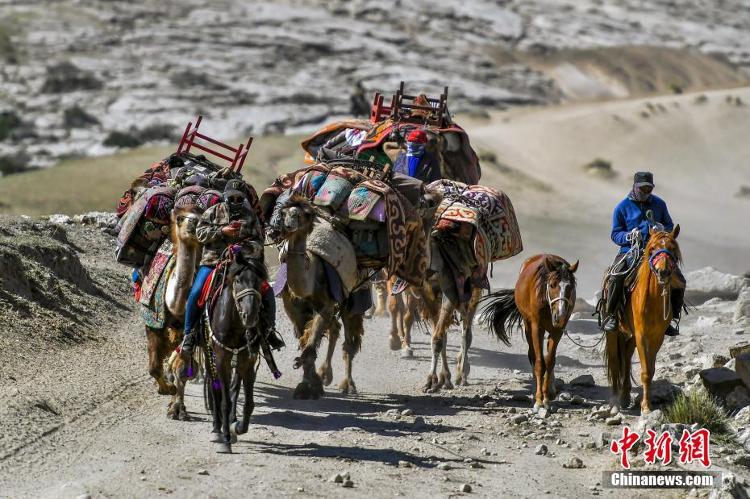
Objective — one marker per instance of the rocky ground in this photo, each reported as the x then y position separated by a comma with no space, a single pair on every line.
82,417
88,77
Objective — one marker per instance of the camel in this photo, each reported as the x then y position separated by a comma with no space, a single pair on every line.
161,342
311,307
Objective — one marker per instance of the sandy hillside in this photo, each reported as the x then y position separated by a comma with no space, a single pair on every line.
696,145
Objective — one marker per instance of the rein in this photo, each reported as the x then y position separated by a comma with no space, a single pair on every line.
665,286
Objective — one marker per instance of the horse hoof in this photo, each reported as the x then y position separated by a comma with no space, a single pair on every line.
537,406
170,389
182,415
216,437
407,353
348,387
394,343
223,448
232,439
326,376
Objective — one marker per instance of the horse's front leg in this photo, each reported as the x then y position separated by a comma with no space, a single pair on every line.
325,371
647,372
311,385
537,340
549,360
246,372
462,364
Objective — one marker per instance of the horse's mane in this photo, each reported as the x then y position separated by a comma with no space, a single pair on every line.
543,273
256,265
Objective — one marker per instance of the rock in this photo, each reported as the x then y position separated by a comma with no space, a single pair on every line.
710,360
743,416
720,381
203,472
614,420
743,438
577,400
520,418
602,439
583,380
404,464
76,117
541,450
466,488
650,421
59,219
559,385
542,413
574,463
708,283
444,466
98,218
337,478
84,496
742,367
564,397
742,308
739,349
732,364
392,412
348,484
476,466
490,404
407,412
67,77
662,391
704,321
738,398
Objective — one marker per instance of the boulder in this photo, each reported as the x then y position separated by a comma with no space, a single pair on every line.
742,367
583,380
710,360
662,391
739,349
59,219
720,381
738,398
99,218
707,283
742,306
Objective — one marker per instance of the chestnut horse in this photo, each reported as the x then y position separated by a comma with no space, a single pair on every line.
648,313
543,300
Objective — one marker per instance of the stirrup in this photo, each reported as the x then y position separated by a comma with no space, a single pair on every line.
609,325
274,339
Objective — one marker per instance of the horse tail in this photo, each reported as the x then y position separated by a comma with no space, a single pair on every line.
501,314
615,360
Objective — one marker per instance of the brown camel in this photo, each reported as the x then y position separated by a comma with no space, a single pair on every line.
161,342
310,305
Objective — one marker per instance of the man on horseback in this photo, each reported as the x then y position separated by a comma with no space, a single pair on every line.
232,222
631,221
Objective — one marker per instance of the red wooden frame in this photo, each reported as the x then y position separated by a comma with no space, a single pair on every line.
191,135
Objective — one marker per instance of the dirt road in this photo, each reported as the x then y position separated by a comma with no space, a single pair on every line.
115,440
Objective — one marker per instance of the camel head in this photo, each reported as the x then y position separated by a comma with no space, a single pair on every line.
296,216
183,225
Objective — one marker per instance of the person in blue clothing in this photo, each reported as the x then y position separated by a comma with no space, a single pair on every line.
417,161
634,215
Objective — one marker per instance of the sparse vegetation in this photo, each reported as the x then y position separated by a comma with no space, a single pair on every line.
698,407
76,117
601,168
67,77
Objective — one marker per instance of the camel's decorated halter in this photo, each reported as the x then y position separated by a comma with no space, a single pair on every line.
656,257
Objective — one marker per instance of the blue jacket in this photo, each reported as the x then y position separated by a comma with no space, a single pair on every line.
630,214
427,171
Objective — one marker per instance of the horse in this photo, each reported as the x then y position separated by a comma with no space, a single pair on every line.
232,331
646,317
542,300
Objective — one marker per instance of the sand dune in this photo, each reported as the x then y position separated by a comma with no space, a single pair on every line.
696,145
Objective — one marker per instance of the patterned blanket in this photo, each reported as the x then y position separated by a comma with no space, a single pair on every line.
155,271
155,311
354,195
488,211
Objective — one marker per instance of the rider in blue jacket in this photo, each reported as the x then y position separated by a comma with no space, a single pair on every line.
640,210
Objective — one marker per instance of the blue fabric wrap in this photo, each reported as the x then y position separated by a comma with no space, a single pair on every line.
630,214
414,154
191,307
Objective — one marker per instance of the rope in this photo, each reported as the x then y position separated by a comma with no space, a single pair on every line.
586,346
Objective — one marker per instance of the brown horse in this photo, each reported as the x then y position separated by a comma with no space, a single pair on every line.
648,313
543,300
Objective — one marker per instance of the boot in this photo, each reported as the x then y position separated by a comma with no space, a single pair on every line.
610,323
186,350
274,339
678,299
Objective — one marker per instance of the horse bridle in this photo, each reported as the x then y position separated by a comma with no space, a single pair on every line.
670,258
551,301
